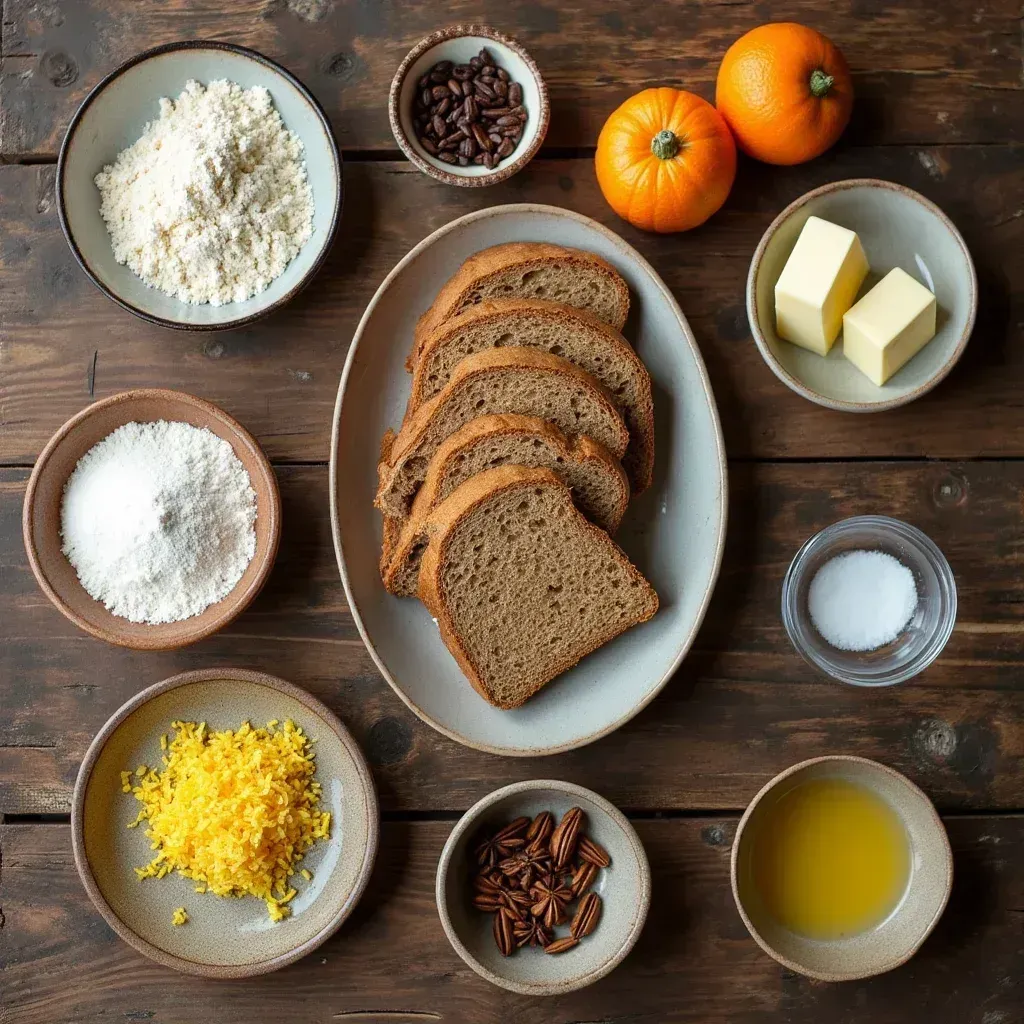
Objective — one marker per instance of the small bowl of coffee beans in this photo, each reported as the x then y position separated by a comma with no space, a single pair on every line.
468,106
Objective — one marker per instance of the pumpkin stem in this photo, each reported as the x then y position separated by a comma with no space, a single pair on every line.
820,83
665,144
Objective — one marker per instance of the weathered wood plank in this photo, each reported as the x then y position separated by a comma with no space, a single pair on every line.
280,376
391,962
743,706
925,72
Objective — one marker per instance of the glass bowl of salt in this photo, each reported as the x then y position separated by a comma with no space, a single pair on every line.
869,601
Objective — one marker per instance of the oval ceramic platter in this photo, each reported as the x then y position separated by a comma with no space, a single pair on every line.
674,532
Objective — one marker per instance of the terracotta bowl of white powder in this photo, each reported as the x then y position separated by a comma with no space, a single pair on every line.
249,566
199,186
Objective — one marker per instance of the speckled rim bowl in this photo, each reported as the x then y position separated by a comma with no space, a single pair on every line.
897,227
624,887
41,517
224,937
928,630
112,117
458,43
900,936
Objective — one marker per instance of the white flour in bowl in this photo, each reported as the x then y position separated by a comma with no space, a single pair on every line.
158,520
212,202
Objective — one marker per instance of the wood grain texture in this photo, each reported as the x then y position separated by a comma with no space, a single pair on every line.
924,72
62,342
391,962
742,707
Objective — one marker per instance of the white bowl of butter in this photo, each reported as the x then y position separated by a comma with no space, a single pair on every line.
897,230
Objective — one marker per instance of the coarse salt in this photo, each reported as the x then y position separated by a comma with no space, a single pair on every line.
862,600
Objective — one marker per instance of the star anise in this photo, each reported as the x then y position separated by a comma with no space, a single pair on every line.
530,933
550,902
502,844
524,867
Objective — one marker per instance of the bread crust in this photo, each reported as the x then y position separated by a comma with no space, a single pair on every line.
639,459
497,259
489,361
400,546
446,516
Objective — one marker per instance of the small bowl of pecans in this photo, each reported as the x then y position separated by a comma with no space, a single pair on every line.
468,106
543,887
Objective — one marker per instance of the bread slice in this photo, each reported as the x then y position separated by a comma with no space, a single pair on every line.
597,482
498,380
521,585
574,334
537,270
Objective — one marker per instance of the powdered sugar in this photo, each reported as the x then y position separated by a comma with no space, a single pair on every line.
158,520
212,202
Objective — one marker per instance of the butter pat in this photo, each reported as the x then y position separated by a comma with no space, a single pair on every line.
889,326
818,284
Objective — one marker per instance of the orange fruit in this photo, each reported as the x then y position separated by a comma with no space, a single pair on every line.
665,160
786,93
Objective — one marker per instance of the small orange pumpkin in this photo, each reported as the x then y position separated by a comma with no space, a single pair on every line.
665,160
785,91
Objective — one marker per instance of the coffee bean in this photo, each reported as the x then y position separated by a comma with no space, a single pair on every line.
503,74
506,147
448,158
428,146
444,106
438,123
439,92
515,94
454,88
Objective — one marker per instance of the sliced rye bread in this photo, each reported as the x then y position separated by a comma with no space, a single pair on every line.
574,334
498,380
528,270
597,481
522,585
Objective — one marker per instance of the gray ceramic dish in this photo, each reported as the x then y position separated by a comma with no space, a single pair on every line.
458,43
894,941
674,532
624,887
224,937
898,228
112,117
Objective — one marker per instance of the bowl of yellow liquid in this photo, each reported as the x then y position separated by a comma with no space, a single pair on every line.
841,868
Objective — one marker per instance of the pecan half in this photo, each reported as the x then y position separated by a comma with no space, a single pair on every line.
540,829
583,878
588,913
503,932
565,836
561,945
592,852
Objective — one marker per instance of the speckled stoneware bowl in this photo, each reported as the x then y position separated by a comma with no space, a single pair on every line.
41,517
899,937
458,43
898,228
224,937
113,116
624,887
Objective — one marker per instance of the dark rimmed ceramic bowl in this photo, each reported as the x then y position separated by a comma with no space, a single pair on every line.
458,43
624,887
41,517
113,116
898,228
224,938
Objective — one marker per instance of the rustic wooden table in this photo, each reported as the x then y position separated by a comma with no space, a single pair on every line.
940,107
